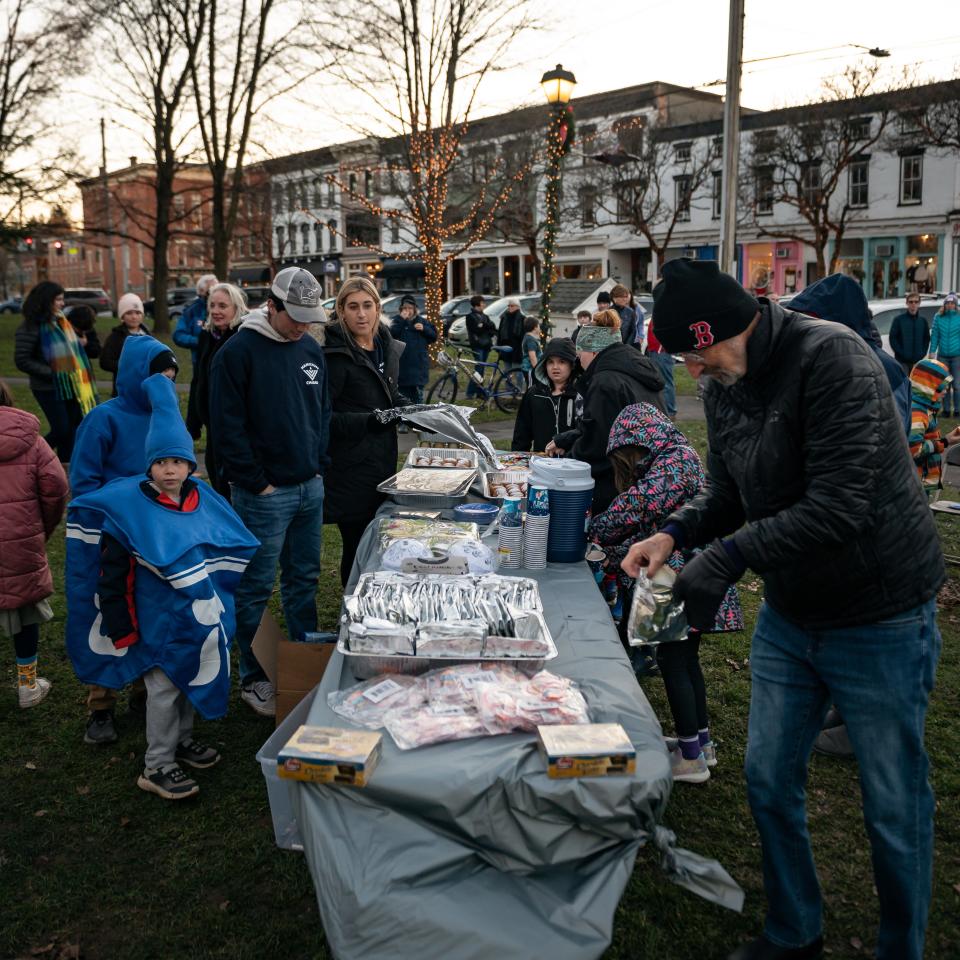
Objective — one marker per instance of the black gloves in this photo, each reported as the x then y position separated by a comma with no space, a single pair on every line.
382,420
704,581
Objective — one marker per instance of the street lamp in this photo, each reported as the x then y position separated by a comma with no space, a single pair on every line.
558,86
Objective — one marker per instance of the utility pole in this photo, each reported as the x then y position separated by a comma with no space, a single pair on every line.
108,226
731,141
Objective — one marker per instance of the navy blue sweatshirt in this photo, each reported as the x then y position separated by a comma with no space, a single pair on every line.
270,409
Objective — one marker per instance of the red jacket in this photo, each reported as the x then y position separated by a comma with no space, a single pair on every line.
33,496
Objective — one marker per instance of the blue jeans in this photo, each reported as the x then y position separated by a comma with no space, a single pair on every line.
664,362
481,357
951,399
880,676
289,525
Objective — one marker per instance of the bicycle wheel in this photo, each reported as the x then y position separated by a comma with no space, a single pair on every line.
509,390
444,390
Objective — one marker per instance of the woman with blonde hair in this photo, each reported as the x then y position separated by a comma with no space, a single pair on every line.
363,364
226,308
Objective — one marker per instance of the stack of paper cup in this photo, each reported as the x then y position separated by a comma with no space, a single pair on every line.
535,529
510,542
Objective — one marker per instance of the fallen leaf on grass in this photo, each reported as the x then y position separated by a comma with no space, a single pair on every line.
30,765
39,813
131,756
83,791
113,760
856,943
956,887
225,905
732,663
69,951
39,951
124,821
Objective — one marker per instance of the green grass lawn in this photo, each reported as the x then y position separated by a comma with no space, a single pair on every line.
88,859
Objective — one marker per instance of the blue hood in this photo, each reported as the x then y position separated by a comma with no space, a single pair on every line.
135,359
167,436
840,299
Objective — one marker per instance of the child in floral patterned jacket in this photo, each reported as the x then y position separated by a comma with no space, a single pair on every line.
656,471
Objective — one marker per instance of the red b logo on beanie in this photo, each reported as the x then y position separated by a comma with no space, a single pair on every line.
701,330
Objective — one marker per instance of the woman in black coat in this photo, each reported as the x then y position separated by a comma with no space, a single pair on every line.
226,306
363,362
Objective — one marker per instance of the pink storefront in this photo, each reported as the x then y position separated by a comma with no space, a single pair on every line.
787,267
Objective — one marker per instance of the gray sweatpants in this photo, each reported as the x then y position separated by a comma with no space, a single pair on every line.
169,718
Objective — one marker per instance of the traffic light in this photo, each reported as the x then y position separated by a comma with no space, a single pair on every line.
58,246
29,243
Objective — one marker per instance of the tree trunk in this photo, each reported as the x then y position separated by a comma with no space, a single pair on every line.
161,246
221,234
435,271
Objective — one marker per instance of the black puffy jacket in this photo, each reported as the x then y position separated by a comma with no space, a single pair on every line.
542,416
618,376
809,464
360,458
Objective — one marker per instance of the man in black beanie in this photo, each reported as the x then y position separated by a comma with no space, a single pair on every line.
811,485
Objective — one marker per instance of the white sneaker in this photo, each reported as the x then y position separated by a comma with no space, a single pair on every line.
689,771
31,696
260,697
709,749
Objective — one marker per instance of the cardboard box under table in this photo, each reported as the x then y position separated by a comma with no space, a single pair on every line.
469,848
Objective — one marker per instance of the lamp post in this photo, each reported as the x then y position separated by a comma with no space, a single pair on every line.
558,86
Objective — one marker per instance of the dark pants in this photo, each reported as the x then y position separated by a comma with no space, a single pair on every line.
683,679
480,354
412,391
214,473
351,532
64,417
25,642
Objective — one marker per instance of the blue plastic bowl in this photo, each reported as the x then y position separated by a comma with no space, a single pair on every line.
479,513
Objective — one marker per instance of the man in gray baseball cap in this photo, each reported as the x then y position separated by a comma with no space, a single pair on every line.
270,409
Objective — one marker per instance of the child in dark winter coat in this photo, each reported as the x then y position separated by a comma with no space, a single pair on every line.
656,471
549,407
33,494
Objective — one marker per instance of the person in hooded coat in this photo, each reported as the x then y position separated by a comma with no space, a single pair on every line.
656,471
363,364
152,568
416,333
929,382
616,376
549,407
841,299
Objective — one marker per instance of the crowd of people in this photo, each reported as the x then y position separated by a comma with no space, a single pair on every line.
822,451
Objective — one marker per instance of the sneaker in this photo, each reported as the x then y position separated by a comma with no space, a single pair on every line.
169,782
709,749
30,696
197,754
101,728
689,771
259,696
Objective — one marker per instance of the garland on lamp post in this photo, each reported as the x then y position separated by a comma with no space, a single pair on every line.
560,137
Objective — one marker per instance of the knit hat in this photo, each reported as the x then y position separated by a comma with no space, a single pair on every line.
561,347
950,297
602,332
408,301
696,306
164,361
167,434
129,301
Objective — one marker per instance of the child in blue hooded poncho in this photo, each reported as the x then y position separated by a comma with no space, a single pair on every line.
152,566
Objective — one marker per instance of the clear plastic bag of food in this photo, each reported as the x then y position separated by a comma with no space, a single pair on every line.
544,699
437,723
655,617
455,684
368,703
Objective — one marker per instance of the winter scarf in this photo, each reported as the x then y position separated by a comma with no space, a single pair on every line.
929,381
72,375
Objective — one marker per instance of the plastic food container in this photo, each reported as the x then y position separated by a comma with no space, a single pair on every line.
479,513
433,453
495,478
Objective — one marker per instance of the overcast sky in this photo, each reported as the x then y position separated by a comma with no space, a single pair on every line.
616,43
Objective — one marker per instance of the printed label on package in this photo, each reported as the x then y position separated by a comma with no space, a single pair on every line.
382,690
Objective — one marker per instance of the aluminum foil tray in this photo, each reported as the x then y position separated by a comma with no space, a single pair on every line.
418,452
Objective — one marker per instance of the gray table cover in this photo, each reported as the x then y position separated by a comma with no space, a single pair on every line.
467,850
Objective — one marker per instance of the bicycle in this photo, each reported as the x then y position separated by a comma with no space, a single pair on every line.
506,385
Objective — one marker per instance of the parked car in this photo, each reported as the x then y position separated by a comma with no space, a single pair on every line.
452,309
11,305
177,300
89,297
529,304
884,312
256,295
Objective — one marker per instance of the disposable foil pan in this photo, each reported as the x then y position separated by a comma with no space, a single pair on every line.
425,498
530,624
418,452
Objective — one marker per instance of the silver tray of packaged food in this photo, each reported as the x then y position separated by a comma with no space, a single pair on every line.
497,484
404,623
439,489
439,457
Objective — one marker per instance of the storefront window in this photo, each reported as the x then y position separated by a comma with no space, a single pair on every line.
850,261
921,263
581,271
